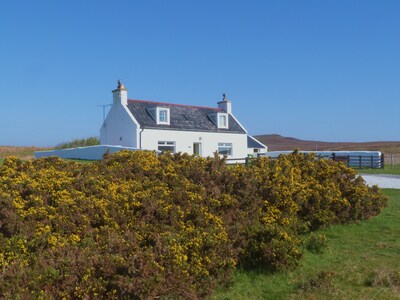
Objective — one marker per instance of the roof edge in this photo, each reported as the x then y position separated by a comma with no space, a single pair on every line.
174,104
257,141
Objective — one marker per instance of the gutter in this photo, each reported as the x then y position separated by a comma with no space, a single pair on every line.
140,139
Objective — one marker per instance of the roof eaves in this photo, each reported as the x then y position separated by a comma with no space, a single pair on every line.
216,130
174,104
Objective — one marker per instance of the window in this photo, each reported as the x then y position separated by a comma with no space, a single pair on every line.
166,146
163,116
222,121
159,114
225,149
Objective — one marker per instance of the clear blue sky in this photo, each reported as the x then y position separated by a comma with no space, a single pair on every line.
321,70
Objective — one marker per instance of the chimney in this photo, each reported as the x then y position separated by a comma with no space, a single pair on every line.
120,94
225,104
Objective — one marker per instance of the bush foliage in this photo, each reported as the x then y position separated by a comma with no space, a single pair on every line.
136,225
90,141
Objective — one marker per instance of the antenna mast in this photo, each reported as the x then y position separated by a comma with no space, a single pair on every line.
104,110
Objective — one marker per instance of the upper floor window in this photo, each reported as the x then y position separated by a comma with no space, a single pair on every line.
222,120
160,114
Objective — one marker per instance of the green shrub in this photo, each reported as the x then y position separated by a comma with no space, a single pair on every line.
316,243
90,141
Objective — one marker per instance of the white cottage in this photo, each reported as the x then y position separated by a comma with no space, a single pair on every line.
177,128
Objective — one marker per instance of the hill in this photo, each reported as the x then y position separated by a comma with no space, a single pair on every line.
277,142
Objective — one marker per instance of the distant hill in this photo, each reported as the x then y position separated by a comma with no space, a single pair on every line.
276,142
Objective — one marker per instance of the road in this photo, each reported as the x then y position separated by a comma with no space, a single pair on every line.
382,180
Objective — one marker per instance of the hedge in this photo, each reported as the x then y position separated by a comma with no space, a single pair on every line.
136,225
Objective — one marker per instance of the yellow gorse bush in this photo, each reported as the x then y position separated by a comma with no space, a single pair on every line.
138,225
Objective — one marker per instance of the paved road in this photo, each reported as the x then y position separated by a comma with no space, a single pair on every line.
382,180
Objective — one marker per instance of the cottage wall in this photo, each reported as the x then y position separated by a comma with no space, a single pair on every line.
119,128
184,141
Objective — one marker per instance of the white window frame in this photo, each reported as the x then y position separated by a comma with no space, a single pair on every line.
155,113
166,144
228,146
161,110
222,120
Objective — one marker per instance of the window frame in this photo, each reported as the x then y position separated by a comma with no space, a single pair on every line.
217,118
225,145
166,144
167,116
222,120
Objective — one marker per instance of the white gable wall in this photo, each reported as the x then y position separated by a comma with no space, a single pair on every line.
184,141
119,128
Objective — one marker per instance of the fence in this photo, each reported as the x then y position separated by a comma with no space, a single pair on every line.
392,159
361,161
245,160
353,161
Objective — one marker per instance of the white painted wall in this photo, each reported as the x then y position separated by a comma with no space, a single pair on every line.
120,127
184,141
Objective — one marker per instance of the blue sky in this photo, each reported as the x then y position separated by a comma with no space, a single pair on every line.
321,70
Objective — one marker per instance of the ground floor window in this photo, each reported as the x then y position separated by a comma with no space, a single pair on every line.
225,148
166,146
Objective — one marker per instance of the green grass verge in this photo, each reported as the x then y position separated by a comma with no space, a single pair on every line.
361,262
387,170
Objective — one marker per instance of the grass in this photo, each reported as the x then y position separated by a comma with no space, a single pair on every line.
23,153
389,169
26,153
361,262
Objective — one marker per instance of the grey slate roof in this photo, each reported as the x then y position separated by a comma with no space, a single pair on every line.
253,143
182,117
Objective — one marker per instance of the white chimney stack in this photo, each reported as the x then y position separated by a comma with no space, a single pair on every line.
120,94
225,105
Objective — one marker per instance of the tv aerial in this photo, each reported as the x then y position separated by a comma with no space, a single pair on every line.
104,110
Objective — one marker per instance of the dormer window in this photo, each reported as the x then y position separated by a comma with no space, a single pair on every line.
163,116
222,120
160,114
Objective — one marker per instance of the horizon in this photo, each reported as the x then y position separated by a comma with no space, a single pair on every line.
317,71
